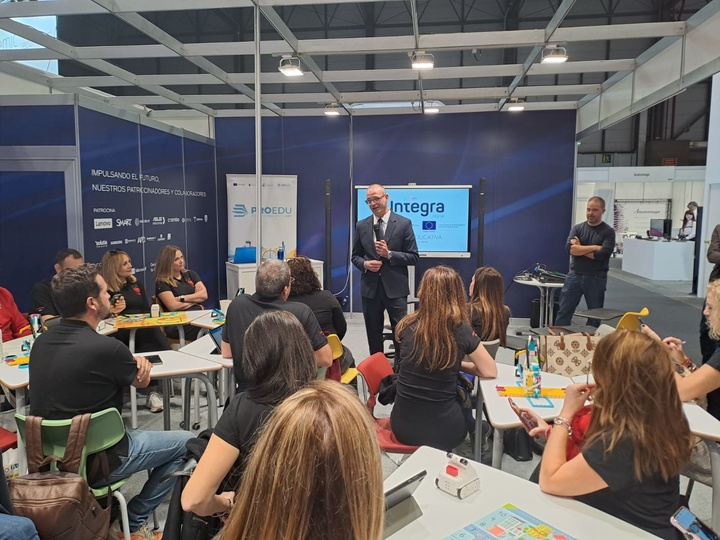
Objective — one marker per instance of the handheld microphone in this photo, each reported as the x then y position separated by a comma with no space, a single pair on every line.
376,228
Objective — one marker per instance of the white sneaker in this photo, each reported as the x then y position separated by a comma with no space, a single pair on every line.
154,402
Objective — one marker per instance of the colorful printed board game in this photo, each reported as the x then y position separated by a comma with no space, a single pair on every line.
509,523
144,319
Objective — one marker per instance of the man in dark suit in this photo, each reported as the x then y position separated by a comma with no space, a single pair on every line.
383,247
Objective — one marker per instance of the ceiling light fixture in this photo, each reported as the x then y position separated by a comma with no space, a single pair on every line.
432,107
290,66
333,109
422,60
516,105
554,54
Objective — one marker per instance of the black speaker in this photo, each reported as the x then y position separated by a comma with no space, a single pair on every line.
667,229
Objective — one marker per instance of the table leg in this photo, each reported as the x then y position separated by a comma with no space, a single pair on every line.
478,425
133,391
551,306
230,383
211,397
22,454
167,384
186,406
498,449
715,468
543,307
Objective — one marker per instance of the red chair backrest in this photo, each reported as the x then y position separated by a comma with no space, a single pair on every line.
373,369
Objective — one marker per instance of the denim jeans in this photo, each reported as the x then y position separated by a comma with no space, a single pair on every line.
161,451
577,286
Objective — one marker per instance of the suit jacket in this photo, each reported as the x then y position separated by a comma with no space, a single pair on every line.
400,239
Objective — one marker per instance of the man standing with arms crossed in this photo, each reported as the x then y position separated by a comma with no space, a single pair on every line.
590,245
383,247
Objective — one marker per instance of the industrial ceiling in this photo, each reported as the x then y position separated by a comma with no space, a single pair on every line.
197,57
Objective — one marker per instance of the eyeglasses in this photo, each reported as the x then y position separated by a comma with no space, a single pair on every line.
373,200
292,280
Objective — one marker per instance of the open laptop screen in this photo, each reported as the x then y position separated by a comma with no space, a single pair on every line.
216,335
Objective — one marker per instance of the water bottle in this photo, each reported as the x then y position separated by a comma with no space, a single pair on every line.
281,252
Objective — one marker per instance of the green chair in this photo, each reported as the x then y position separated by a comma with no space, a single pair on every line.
105,430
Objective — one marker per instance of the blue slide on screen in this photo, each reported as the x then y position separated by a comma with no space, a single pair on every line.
440,216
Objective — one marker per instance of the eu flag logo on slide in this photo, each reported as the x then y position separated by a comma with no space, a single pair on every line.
429,225
239,210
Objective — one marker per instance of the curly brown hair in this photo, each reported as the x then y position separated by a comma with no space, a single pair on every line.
305,279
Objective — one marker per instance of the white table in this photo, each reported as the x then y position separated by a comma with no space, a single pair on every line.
659,260
501,416
179,365
190,316
203,348
547,297
444,514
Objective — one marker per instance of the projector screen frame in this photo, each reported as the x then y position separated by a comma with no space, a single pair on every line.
428,254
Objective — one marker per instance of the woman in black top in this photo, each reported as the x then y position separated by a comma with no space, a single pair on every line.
306,289
279,361
118,274
636,443
178,289
434,342
489,315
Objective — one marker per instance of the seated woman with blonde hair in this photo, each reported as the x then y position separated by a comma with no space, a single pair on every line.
637,440
314,474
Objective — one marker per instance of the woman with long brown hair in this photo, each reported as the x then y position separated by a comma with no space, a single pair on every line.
177,288
636,443
314,474
489,315
433,342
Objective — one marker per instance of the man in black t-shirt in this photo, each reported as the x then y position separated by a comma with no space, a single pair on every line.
590,245
41,298
272,287
75,370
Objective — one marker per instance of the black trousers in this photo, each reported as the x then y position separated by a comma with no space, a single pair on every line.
374,314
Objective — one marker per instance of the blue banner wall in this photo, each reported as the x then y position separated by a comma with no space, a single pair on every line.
37,125
135,196
527,159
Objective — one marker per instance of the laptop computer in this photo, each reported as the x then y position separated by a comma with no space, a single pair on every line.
216,335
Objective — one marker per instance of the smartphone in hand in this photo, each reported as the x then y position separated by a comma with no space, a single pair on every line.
114,298
526,421
154,359
686,522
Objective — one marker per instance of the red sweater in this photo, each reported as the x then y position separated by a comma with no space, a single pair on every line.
12,323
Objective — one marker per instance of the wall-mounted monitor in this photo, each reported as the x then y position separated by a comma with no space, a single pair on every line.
440,216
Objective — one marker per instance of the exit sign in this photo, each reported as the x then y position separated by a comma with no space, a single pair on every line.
669,161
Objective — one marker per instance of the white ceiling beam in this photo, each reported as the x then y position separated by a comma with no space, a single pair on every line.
619,31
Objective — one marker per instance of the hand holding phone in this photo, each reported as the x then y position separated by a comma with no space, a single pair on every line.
527,422
686,522
114,298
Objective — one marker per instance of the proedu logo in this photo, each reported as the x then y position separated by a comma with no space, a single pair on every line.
239,210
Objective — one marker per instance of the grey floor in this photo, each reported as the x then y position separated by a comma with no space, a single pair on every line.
673,311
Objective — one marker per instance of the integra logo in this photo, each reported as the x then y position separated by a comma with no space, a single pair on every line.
101,243
124,222
239,210
103,223
424,209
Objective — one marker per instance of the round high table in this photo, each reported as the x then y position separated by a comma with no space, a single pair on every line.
547,297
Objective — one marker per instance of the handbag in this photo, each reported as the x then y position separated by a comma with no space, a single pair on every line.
59,503
567,354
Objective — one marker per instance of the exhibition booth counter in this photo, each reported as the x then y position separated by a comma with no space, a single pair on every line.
659,260
242,276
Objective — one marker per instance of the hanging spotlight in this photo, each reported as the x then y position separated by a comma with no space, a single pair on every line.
333,109
516,105
554,54
422,60
290,66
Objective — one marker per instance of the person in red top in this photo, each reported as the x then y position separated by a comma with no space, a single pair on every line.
12,323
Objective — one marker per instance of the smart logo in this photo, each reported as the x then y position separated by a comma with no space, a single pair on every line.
239,210
103,223
429,225
124,222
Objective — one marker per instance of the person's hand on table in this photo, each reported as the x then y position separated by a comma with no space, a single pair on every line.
373,265
143,368
541,426
575,397
118,307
